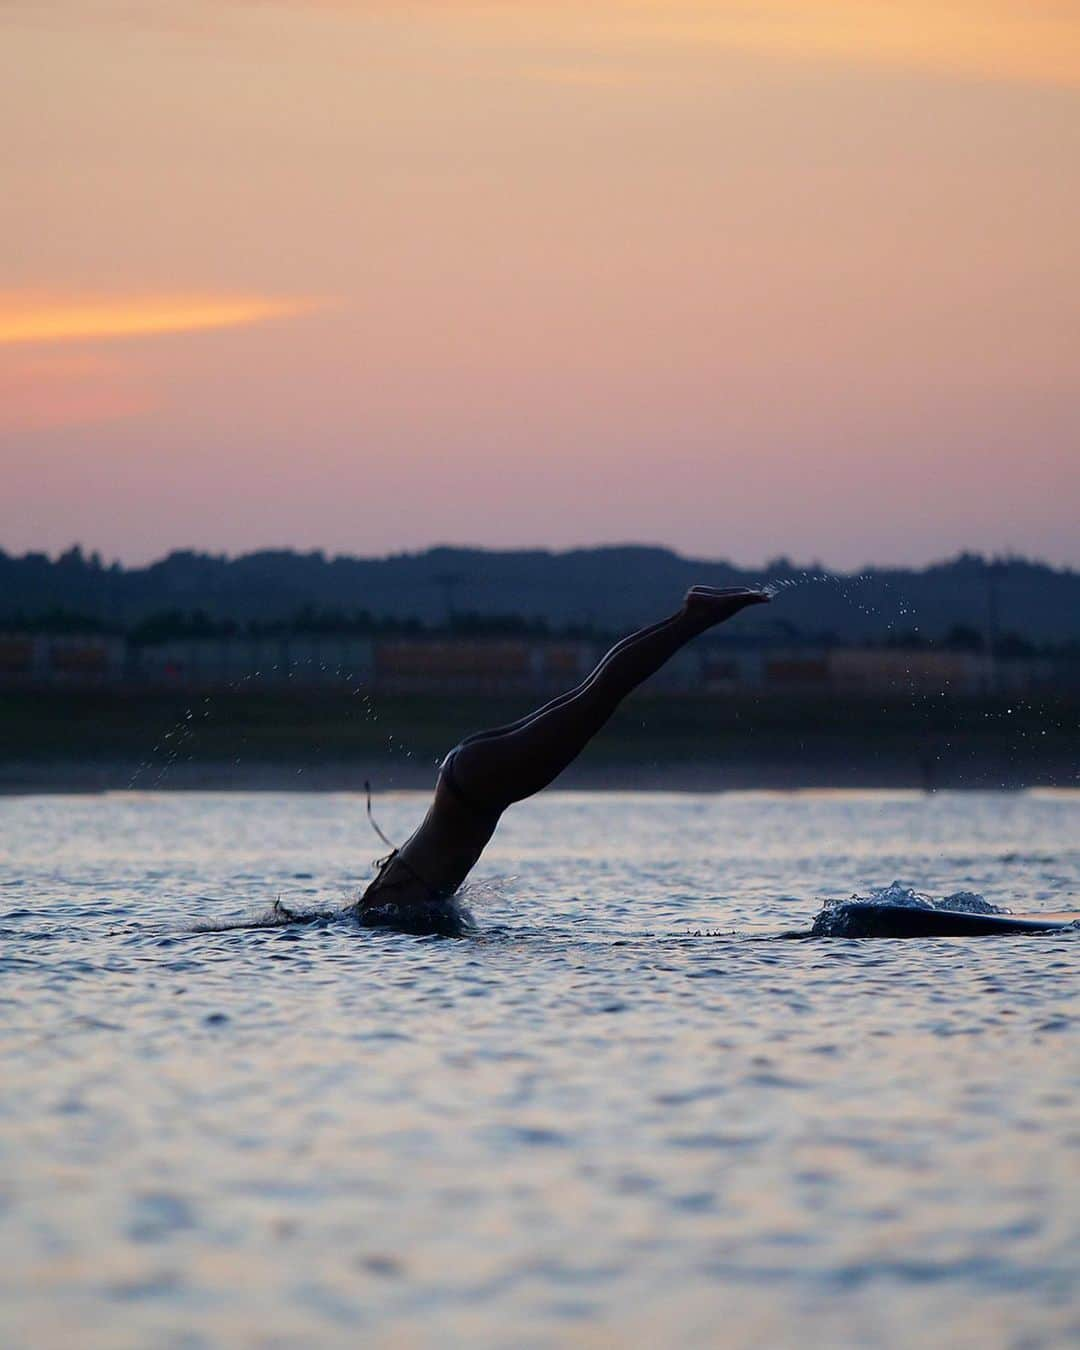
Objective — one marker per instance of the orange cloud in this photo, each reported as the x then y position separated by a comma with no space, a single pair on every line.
1027,40
1036,40
51,319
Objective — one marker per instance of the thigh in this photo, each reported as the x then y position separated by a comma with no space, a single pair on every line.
503,768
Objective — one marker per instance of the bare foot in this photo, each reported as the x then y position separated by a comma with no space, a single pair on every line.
710,605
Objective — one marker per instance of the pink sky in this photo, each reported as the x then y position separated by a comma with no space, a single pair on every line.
801,276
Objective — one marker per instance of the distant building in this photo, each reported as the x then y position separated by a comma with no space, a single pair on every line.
224,663
84,661
878,669
536,666
479,665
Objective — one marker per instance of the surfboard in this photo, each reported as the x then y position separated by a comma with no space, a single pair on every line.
855,920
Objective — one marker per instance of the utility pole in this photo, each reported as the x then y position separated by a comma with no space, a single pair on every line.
449,582
993,621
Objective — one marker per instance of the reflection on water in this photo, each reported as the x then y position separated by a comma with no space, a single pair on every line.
584,1126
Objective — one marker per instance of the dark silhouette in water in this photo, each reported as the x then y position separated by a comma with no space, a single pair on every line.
488,772
870,920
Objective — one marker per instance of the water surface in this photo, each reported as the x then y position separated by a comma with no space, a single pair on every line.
621,1115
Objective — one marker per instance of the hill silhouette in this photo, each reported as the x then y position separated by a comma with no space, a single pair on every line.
602,589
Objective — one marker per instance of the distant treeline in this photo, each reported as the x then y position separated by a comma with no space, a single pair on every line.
967,601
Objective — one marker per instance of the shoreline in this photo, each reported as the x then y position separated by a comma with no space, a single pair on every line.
274,742
64,776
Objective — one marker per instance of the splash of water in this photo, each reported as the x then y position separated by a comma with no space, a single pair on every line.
846,918
906,897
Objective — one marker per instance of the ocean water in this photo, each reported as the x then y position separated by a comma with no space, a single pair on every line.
622,1115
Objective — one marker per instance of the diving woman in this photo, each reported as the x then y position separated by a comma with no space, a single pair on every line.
487,772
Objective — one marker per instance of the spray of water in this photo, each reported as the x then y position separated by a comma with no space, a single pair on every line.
178,743
898,893
848,588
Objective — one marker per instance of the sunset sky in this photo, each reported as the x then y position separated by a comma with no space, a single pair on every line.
799,276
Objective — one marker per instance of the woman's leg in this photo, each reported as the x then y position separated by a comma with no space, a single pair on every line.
503,766
562,698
